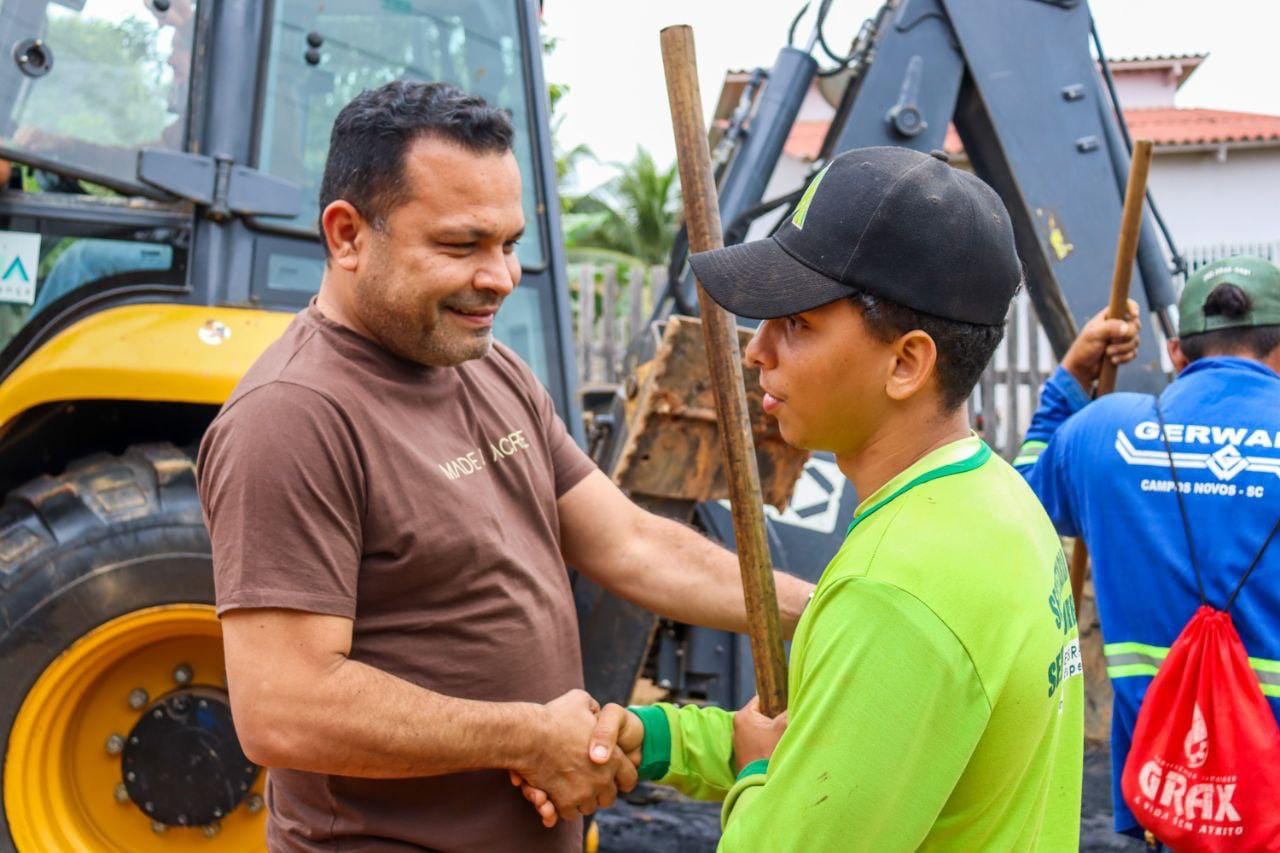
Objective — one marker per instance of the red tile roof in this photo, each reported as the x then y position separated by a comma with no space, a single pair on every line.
952,144
1175,127
805,139
1165,126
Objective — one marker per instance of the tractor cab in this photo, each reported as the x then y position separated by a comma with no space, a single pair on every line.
173,149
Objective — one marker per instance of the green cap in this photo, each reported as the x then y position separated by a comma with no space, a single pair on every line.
1257,277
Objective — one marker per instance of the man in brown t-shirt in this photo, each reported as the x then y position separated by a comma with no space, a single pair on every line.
392,500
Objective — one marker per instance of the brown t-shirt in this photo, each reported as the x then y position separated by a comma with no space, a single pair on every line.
421,503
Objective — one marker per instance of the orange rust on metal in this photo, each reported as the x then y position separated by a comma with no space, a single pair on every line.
709,415
673,441
702,218
1135,193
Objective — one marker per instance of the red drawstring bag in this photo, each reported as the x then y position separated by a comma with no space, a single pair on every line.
1203,771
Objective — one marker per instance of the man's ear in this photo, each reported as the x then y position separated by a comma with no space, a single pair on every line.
915,356
344,229
1177,356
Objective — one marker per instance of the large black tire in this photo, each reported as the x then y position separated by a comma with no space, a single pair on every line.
110,536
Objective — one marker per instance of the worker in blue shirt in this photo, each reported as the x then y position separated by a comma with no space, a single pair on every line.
1102,470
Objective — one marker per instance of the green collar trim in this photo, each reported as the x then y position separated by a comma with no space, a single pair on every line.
976,460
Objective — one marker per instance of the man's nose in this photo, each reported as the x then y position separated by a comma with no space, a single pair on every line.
498,275
759,351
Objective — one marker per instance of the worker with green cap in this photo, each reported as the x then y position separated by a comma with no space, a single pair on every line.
935,697
1102,468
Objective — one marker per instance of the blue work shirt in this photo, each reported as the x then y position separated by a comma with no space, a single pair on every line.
1101,471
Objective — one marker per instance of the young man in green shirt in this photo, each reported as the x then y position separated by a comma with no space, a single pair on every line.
935,693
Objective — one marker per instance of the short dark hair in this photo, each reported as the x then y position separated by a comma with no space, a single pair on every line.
964,349
1227,300
367,146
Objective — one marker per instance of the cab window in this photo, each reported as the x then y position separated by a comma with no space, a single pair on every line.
84,84
325,52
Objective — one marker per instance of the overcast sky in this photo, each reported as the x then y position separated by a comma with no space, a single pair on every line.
608,55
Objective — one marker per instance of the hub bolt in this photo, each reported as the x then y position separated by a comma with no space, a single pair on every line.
182,674
158,828
138,698
122,793
115,744
211,829
254,804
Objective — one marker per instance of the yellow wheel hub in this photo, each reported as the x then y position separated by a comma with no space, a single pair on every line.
63,786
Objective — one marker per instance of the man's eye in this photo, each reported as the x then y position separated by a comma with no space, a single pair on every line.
794,323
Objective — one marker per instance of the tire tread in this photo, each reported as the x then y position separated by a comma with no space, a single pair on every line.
96,496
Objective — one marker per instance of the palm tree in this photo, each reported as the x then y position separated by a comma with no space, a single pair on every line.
566,164
632,218
566,160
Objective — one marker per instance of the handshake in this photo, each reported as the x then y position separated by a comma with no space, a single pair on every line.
587,754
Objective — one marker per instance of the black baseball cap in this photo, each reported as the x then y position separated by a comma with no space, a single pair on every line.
892,222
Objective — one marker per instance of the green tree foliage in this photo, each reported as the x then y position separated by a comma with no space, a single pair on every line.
632,218
121,83
566,159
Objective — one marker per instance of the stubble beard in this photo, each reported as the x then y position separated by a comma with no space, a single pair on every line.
418,332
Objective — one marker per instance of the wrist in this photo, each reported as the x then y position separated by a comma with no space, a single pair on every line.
655,749
1083,375
530,728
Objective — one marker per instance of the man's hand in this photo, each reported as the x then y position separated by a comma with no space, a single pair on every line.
617,727
755,736
617,731
1101,339
562,781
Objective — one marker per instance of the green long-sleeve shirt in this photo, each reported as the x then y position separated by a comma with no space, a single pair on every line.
935,698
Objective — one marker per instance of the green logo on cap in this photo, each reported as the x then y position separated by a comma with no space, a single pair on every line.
802,209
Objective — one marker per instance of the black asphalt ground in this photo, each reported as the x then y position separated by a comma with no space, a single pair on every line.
653,819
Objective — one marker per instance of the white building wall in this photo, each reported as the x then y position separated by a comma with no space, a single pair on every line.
1143,89
1208,202
814,107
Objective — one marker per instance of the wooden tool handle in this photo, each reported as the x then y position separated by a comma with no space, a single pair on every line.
1126,249
702,217
1121,277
